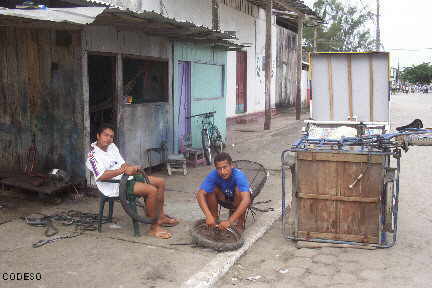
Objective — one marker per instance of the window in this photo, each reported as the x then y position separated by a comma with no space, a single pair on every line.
145,81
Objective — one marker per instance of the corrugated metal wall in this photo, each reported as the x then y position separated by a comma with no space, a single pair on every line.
40,94
286,67
140,126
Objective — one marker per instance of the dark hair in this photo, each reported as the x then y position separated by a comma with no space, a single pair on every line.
104,126
222,157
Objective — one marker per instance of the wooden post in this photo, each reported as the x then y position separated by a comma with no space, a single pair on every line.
300,63
315,38
215,15
268,65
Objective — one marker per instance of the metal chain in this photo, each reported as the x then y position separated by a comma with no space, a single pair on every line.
43,242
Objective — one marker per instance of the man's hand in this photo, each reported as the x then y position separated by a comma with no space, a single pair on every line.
224,225
210,221
132,170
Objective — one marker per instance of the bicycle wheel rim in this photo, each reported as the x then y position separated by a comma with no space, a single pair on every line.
124,201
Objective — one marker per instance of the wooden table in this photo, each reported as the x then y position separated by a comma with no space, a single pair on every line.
25,182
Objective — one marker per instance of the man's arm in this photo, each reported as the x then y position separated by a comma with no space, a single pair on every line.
125,168
241,209
210,220
109,174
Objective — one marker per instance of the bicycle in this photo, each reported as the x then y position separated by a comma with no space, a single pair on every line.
211,138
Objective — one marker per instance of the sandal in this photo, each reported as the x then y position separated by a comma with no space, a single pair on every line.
161,234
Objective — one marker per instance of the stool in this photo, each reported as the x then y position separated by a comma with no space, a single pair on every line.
176,162
194,156
162,152
110,200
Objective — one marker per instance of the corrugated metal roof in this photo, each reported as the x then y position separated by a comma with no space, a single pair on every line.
78,15
148,22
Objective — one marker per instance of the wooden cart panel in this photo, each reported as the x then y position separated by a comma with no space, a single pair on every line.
327,207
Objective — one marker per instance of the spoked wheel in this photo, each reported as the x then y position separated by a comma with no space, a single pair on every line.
217,142
133,205
219,240
206,146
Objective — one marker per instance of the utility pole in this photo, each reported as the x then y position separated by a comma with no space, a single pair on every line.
299,64
315,38
378,34
268,65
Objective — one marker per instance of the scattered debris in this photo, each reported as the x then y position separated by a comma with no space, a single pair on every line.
254,278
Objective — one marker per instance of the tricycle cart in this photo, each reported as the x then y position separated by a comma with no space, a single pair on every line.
344,188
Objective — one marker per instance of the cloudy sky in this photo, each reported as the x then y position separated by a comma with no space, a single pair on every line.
406,28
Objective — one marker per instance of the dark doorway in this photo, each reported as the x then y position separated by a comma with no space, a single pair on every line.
241,95
102,103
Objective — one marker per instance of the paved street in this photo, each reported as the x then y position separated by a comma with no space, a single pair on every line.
275,262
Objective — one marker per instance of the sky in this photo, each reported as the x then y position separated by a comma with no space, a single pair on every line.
406,30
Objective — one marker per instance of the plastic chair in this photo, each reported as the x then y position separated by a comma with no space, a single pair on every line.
110,200
257,176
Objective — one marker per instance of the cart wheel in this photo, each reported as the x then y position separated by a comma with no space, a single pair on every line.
219,240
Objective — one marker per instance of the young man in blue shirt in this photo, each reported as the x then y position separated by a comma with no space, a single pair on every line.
228,184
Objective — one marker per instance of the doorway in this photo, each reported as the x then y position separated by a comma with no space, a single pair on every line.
241,97
102,85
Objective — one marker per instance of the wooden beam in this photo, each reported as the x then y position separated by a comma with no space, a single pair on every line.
338,198
340,157
336,236
299,64
268,65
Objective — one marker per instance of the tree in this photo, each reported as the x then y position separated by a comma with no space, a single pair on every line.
344,29
420,74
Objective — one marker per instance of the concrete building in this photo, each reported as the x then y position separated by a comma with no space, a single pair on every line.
145,66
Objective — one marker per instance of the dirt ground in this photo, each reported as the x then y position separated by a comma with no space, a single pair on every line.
114,258
276,262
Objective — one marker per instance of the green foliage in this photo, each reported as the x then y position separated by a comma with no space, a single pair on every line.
420,74
345,28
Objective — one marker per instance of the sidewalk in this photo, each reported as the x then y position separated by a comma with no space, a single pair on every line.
114,258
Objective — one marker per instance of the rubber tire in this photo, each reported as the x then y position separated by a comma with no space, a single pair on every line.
217,142
124,202
202,241
205,139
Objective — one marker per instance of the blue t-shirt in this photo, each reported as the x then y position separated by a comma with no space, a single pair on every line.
238,179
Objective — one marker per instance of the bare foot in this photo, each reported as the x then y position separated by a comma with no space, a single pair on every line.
160,233
168,221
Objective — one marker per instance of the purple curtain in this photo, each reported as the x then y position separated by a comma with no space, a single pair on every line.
184,125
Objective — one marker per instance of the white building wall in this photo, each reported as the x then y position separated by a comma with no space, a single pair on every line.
250,31
198,12
244,25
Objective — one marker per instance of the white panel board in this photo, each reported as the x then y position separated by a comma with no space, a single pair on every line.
320,97
332,86
360,86
340,88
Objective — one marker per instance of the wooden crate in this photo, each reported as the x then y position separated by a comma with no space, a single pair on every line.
327,208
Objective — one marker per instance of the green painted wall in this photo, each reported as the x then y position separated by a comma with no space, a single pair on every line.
208,86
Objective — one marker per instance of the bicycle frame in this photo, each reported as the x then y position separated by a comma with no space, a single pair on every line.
211,137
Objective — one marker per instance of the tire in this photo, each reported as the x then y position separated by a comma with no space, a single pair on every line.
206,146
203,241
125,202
217,142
